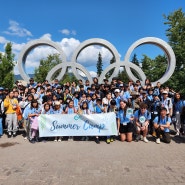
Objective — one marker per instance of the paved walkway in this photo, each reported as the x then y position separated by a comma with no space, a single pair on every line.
86,163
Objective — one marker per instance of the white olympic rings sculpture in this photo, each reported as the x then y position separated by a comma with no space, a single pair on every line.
116,66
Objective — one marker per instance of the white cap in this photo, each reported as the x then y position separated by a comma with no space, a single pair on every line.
164,92
57,103
117,90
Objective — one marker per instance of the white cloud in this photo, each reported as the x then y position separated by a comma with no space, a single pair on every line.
87,57
69,46
46,36
16,29
17,47
68,32
93,73
3,40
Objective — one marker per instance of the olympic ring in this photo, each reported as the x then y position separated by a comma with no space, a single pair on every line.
74,65
167,50
31,45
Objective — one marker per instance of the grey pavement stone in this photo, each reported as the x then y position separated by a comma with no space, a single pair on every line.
80,162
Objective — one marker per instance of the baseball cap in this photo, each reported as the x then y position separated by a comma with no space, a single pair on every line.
165,92
117,90
56,103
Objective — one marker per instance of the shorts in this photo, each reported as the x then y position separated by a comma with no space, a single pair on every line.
126,128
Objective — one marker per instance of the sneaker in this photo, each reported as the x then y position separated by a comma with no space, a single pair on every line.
111,139
59,140
9,134
97,141
14,134
32,141
108,141
55,140
158,141
145,139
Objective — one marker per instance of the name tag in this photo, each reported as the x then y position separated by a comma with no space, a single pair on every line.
155,112
124,123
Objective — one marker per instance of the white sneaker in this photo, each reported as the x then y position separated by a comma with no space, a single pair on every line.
59,140
158,141
55,140
145,139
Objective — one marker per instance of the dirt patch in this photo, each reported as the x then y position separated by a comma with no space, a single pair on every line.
8,144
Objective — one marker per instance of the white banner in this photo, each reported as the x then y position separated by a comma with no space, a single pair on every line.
77,125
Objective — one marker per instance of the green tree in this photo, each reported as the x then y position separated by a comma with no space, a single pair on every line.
69,77
147,66
6,67
45,66
136,62
176,35
113,60
154,69
122,75
99,65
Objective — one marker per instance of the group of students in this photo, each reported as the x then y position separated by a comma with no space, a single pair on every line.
140,109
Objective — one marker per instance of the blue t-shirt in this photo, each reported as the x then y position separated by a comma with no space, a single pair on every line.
146,116
70,110
57,111
178,106
98,108
124,118
117,99
163,122
34,111
75,100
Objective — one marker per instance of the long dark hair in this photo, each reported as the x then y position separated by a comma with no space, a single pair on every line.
34,101
83,104
125,108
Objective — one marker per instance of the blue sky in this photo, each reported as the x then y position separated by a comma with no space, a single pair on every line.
121,22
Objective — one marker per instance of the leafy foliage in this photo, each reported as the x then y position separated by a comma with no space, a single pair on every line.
176,35
113,60
99,65
6,67
69,77
154,69
45,66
